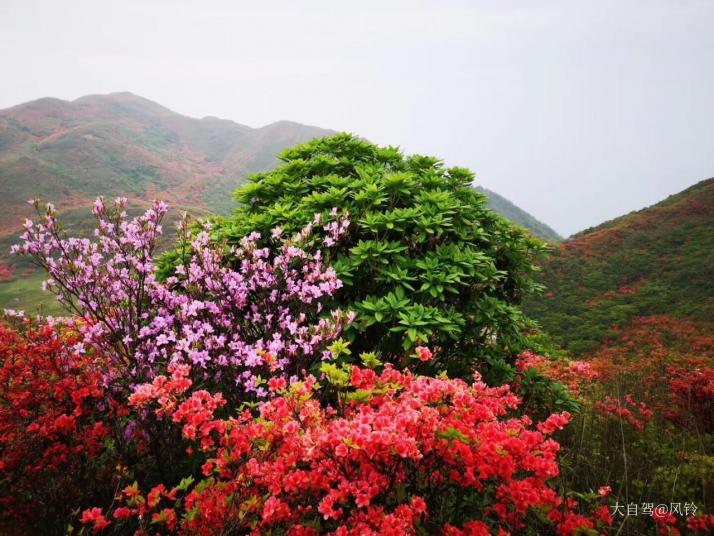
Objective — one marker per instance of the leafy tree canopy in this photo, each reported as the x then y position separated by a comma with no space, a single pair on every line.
424,260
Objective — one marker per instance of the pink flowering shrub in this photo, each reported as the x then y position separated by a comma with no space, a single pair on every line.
402,454
234,326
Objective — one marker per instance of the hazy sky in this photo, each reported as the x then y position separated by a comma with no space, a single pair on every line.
576,111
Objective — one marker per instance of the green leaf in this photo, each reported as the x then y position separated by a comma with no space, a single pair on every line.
184,484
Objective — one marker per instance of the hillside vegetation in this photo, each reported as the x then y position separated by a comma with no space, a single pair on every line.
425,259
508,210
659,260
123,144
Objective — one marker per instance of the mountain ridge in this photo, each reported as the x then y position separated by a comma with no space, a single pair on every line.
124,144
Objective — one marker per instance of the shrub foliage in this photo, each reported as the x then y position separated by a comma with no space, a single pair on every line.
424,259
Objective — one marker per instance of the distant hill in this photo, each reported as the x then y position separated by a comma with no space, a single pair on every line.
122,144
508,210
659,260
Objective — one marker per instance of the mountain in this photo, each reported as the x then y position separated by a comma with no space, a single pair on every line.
508,210
122,144
656,261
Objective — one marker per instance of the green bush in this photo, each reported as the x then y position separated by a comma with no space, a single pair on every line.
425,260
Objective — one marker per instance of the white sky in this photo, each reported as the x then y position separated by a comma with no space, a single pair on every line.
576,111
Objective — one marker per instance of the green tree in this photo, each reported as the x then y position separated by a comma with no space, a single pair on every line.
425,260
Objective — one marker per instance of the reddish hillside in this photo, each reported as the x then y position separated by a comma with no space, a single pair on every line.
122,144
659,260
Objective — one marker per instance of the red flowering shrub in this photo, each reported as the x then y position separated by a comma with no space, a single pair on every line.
399,454
666,366
703,523
53,424
692,390
550,384
636,414
646,424
571,374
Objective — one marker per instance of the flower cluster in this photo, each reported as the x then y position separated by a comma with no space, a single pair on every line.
335,228
572,374
233,324
636,414
703,523
54,419
392,459
692,392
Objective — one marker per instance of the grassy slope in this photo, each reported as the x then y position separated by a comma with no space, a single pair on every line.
26,293
659,260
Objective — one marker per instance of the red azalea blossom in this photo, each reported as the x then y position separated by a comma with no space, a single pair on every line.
423,353
701,523
94,517
53,424
604,491
300,463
